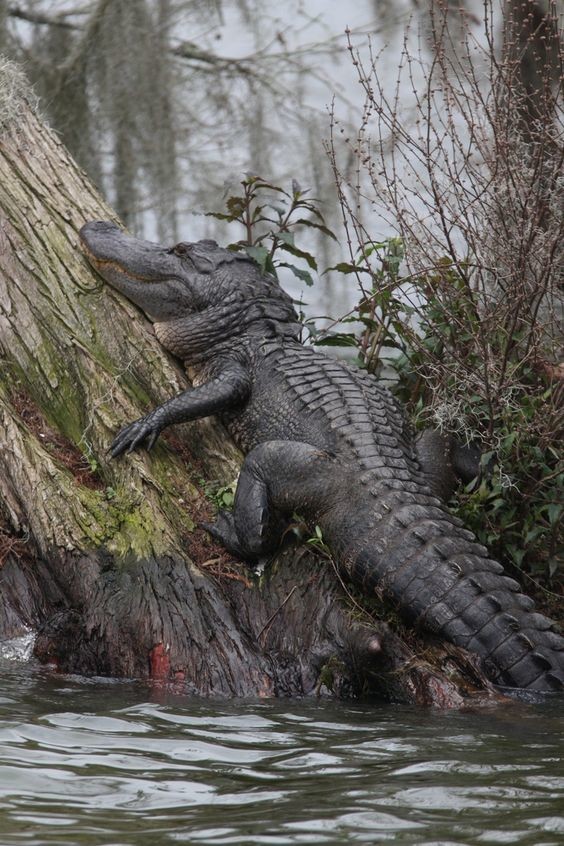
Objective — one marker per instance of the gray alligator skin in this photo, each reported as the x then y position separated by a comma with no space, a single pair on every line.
325,440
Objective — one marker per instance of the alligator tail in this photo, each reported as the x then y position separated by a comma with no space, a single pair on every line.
442,579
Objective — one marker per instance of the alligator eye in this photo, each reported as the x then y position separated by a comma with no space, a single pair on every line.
180,249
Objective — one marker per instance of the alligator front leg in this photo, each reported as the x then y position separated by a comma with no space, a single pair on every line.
228,389
277,478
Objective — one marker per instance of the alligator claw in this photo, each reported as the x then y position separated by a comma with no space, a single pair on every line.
132,436
223,531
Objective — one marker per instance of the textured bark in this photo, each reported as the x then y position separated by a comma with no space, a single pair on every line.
532,46
103,558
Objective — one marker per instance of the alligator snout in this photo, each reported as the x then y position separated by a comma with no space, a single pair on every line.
97,226
98,236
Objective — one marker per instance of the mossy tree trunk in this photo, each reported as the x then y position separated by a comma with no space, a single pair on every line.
103,558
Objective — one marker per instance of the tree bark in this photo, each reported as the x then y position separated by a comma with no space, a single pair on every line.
532,49
104,559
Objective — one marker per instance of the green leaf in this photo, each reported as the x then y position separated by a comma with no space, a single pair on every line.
508,440
518,555
257,213
286,237
260,183
295,251
375,245
310,206
279,208
260,255
486,457
383,298
554,511
236,205
220,216
304,275
270,267
339,339
345,267
533,534
321,226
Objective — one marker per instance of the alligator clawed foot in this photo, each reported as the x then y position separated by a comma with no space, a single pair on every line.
132,437
223,531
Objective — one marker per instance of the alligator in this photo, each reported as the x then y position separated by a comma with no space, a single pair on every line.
325,440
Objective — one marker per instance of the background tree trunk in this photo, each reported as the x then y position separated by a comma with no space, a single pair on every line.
103,558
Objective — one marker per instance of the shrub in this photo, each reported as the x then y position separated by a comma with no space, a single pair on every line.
467,170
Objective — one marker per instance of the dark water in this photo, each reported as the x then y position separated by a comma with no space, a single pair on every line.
95,762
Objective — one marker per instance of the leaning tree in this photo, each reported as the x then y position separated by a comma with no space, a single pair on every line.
104,559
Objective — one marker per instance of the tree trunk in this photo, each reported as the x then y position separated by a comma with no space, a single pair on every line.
533,51
103,559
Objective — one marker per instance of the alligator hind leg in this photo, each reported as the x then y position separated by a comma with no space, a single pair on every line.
254,528
276,479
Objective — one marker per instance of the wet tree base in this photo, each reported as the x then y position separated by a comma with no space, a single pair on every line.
293,631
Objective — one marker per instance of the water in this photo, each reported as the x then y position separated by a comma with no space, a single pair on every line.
117,764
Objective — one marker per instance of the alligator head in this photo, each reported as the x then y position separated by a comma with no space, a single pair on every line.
197,294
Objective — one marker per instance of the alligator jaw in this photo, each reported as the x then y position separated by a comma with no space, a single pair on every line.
146,273
112,271
112,251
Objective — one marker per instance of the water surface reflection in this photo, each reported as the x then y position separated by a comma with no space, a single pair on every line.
94,762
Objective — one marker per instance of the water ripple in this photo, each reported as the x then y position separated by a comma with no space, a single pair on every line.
96,763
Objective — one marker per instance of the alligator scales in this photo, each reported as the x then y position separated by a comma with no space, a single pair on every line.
322,439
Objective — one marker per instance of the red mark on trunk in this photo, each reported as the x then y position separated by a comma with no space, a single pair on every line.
159,662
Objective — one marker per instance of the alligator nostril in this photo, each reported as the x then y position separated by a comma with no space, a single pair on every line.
98,226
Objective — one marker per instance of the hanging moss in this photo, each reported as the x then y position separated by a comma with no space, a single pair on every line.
16,94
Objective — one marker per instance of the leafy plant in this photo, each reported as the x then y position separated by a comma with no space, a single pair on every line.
221,496
382,312
316,541
270,217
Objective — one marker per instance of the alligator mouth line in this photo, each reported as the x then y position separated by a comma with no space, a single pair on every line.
112,264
